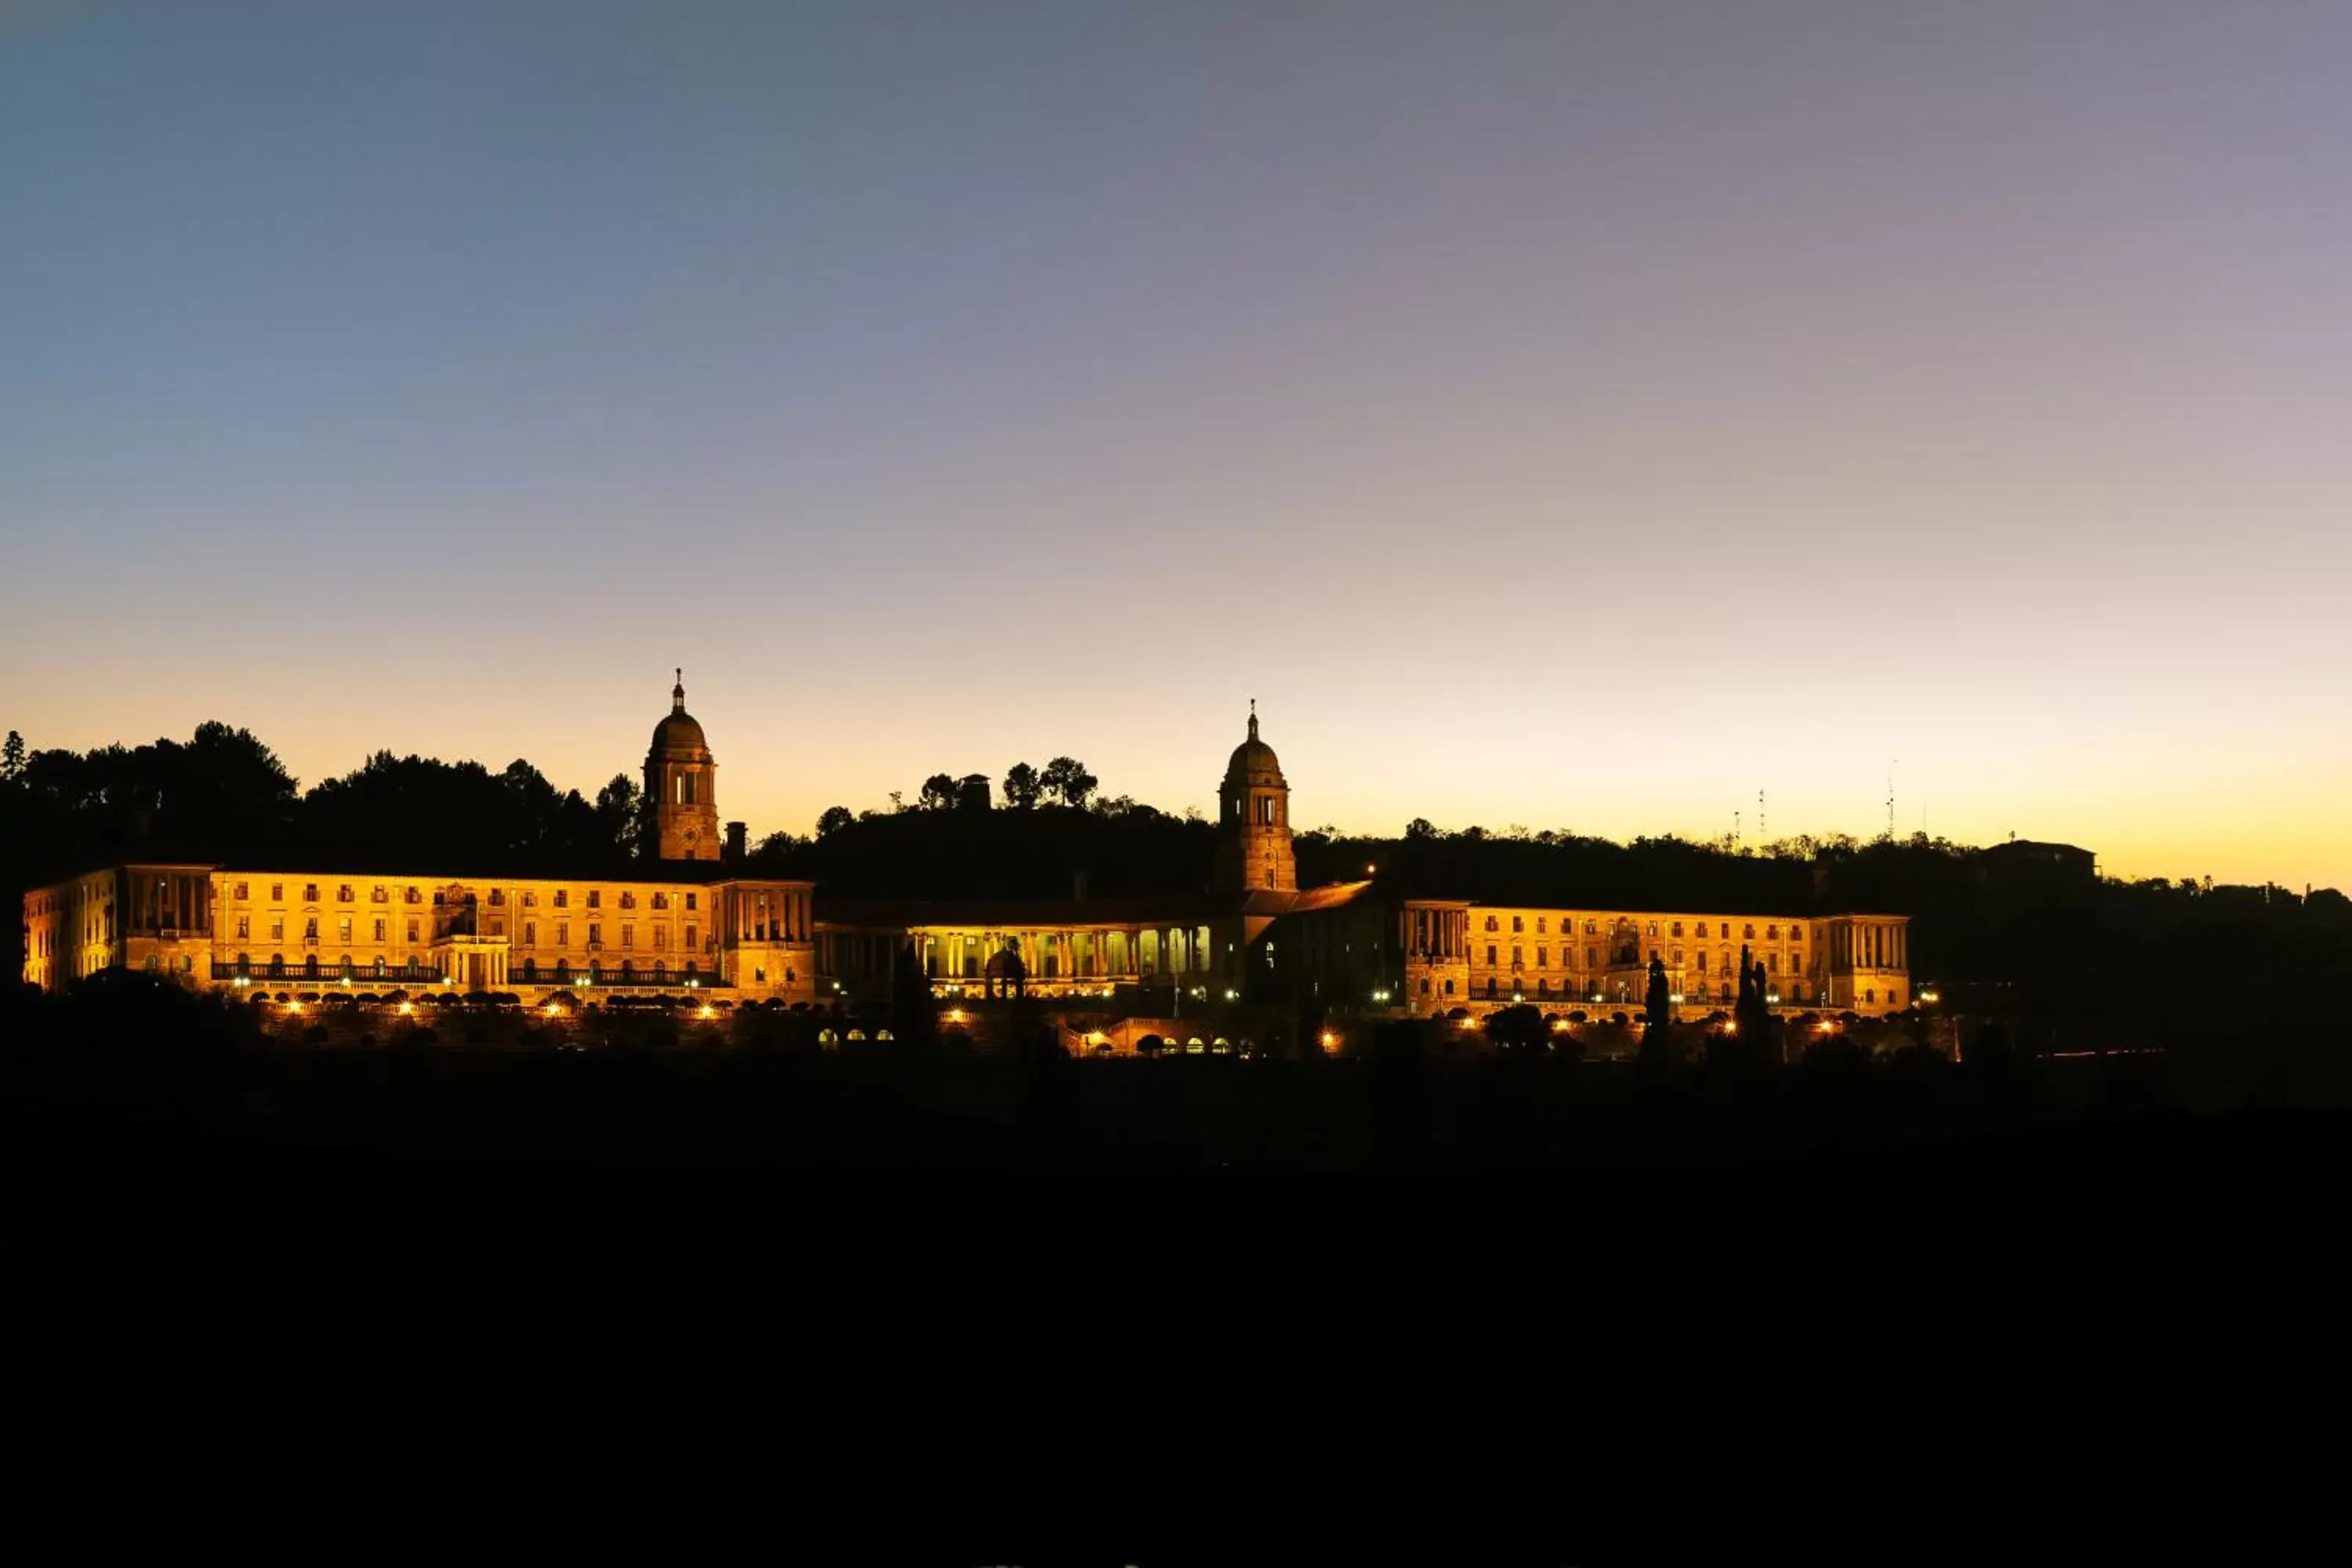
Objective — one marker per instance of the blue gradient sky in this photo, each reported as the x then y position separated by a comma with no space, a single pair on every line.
1575,416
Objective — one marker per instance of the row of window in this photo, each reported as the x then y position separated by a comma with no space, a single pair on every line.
1593,959
380,968
346,893
1592,928
497,928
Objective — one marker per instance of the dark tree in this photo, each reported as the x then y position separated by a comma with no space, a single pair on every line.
620,815
12,758
1021,787
1658,1009
914,1015
972,792
832,820
939,793
1520,1029
1067,781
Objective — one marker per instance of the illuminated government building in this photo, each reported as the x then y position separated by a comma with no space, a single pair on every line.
696,920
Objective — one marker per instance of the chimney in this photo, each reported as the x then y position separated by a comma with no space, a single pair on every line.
1077,887
736,833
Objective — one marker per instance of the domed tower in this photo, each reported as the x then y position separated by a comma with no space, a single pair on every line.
682,781
1253,820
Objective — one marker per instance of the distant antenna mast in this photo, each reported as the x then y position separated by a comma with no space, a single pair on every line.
1890,797
1762,831
1734,830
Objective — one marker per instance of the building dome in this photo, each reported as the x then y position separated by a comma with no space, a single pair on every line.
1254,759
678,732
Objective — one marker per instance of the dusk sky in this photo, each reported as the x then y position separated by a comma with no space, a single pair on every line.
1576,416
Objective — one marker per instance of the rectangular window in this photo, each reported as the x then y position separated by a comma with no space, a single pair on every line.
1751,931
1518,924
628,936
1702,929
563,933
595,898
277,892
1678,958
278,927
310,928
690,933
661,901
412,930
379,931
562,898
1592,958
1678,927
343,928
661,938
244,926
1773,960
1490,954
1796,933
531,934
498,927
530,899
1518,956
628,900
240,892
344,894
596,933
310,892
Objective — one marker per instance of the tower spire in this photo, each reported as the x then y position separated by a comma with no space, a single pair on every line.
1252,718
677,692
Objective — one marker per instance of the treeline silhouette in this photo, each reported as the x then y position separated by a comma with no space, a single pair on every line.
2098,961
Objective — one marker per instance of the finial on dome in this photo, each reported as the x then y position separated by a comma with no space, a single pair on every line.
677,692
1252,718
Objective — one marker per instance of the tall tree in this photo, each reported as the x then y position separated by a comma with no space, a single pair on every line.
832,820
12,758
1658,1007
1021,787
620,815
1067,781
939,793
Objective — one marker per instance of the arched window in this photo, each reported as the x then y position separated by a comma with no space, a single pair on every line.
278,966
244,964
310,967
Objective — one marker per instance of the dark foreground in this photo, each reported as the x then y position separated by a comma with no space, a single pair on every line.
986,1311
